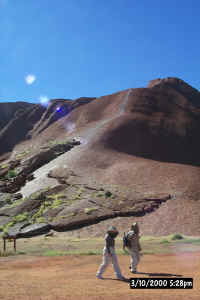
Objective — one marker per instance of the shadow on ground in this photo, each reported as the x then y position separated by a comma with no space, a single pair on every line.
159,274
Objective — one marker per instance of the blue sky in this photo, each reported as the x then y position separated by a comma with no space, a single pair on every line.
73,48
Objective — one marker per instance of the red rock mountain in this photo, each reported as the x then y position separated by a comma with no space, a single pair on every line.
146,139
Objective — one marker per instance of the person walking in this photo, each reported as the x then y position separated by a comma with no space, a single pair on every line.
109,254
133,245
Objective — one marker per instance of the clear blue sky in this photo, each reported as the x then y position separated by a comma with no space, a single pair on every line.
73,48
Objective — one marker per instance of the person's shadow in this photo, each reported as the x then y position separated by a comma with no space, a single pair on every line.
146,273
158,274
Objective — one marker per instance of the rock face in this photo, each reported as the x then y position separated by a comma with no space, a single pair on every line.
28,120
161,124
17,172
180,86
143,143
35,229
71,207
20,124
11,109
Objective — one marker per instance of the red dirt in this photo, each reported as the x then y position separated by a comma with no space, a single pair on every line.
73,277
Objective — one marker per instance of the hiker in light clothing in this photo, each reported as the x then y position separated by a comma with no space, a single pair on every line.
109,254
134,246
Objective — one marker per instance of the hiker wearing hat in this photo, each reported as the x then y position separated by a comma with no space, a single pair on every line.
133,245
109,254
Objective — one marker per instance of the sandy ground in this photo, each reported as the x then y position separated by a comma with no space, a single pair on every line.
73,278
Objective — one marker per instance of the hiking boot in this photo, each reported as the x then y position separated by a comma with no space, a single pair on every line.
99,276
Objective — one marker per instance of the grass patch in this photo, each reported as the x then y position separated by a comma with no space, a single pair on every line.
189,240
17,219
164,242
11,174
22,154
4,166
38,216
56,200
61,244
176,236
54,253
75,252
11,253
17,202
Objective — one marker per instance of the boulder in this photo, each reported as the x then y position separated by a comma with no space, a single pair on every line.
14,231
33,230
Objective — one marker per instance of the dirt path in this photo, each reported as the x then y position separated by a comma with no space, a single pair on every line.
73,278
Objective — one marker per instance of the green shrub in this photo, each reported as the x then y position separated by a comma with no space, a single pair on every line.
177,236
21,217
11,174
164,242
108,194
4,166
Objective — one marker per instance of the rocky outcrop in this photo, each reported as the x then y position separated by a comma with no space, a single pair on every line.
17,172
33,230
180,86
72,206
9,110
161,121
56,110
46,155
28,120
20,124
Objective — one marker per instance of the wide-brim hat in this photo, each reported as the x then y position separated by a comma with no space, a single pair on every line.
134,224
112,229
135,227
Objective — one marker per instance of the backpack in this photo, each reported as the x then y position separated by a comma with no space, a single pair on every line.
126,241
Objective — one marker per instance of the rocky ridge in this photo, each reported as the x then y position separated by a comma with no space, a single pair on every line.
137,155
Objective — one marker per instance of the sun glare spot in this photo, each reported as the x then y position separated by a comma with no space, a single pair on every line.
44,100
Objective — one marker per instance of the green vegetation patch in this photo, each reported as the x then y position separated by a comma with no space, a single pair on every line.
164,241
11,253
3,166
52,201
89,210
176,236
56,200
108,194
11,174
22,154
17,202
38,216
8,199
17,219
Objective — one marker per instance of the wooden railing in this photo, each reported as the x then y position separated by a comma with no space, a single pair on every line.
10,238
